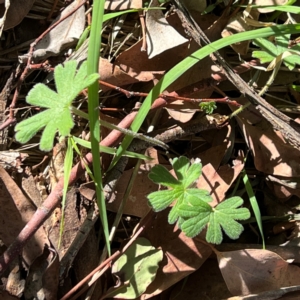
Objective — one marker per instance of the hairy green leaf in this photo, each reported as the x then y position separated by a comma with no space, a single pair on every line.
197,214
58,116
180,188
190,205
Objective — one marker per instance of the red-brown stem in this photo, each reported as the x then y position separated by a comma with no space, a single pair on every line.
129,94
44,212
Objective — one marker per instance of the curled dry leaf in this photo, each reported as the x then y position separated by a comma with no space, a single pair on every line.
17,11
253,271
160,35
62,36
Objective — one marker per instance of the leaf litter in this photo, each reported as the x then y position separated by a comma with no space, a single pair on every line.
225,149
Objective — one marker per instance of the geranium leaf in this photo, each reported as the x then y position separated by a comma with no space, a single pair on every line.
57,117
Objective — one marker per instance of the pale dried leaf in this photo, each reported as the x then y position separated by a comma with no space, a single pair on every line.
182,111
15,284
122,4
3,18
160,35
64,35
17,12
253,271
238,24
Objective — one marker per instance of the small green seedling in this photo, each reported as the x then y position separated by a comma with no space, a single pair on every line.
208,107
58,116
191,209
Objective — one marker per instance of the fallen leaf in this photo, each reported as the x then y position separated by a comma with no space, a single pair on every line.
238,24
42,279
182,255
253,271
205,283
160,35
182,111
122,4
62,36
269,146
16,210
268,2
3,18
18,10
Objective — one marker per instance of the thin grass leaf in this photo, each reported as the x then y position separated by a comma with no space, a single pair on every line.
110,150
254,205
67,171
93,103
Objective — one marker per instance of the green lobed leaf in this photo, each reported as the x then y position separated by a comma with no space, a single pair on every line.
58,115
197,214
180,190
161,175
185,172
272,51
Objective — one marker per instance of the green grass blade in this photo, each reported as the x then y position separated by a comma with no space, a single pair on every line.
93,103
254,205
190,61
67,171
110,150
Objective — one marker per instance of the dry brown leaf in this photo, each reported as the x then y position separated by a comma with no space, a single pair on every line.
15,284
272,155
16,210
215,178
113,74
238,24
17,12
64,35
217,182
182,111
137,203
122,4
182,255
160,35
253,271
42,279
205,283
